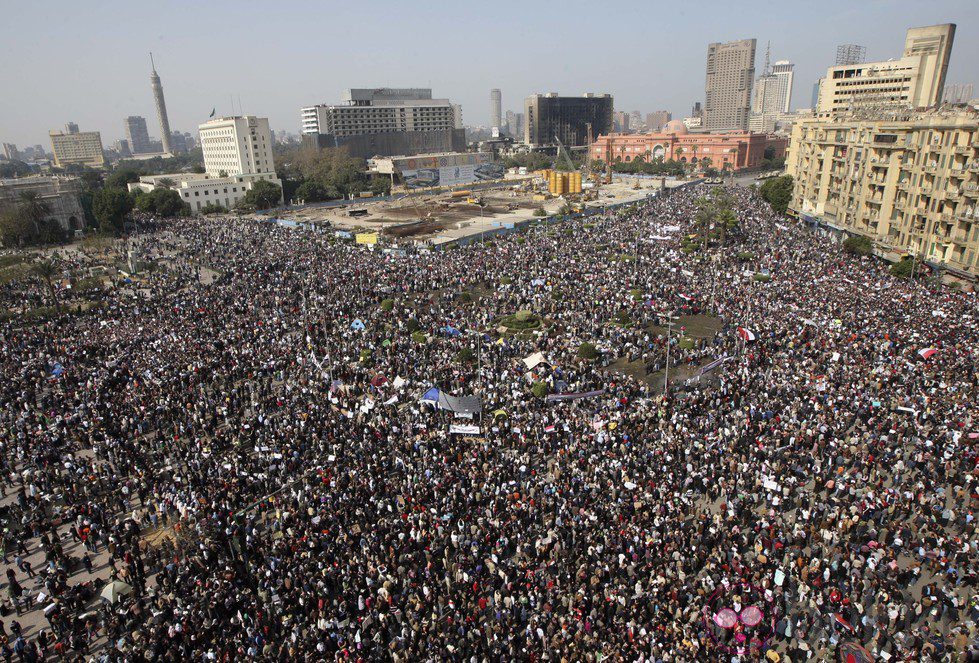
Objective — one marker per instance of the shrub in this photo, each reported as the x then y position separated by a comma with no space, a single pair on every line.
540,389
587,351
506,280
745,256
521,320
387,305
636,294
858,245
686,343
365,356
418,337
540,212
622,319
906,268
413,325
466,297
763,278
465,356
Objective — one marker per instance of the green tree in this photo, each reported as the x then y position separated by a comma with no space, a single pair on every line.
34,209
15,227
123,176
858,245
311,191
47,270
110,206
263,195
778,192
14,168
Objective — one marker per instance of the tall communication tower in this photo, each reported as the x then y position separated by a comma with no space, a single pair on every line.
850,54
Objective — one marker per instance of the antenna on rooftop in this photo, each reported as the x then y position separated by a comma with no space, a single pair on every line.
152,64
768,57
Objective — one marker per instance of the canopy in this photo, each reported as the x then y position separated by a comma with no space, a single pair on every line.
556,398
534,360
442,400
115,590
449,330
357,324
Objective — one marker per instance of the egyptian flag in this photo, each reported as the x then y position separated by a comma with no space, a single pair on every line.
927,353
843,622
746,335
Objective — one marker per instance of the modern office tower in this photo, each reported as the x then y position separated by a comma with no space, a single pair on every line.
385,121
727,93
137,135
909,181
77,147
238,145
71,128
915,80
656,120
161,107
550,117
496,109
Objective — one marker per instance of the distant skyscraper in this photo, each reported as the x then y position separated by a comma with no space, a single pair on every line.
727,93
697,110
10,151
136,134
496,109
71,128
656,120
161,107
850,54
815,94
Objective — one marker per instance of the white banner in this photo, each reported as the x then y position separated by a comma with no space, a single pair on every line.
464,429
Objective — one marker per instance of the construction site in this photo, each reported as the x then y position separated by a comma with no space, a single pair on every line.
441,216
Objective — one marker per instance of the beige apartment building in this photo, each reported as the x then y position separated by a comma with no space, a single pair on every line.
915,80
81,148
910,183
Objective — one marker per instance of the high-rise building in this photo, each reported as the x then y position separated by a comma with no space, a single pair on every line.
161,107
77,147
71,128
850,54
697,110
915,80
908,181
510,121
773,95
237,145
635,120
727,93
137,135
814,101
620,121
549,116
656,120
496,109
122,148
385,122
10,151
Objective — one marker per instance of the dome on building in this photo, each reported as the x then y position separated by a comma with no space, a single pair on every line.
675,127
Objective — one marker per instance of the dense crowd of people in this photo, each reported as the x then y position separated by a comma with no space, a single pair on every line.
254,454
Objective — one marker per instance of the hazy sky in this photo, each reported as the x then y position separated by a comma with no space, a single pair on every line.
88,61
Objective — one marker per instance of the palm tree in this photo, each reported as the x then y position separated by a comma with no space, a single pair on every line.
166,182
34,208
47,270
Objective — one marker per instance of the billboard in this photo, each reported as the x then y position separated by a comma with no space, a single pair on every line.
447,169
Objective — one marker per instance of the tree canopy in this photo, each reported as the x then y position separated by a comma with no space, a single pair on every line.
110,206
263,195
778,192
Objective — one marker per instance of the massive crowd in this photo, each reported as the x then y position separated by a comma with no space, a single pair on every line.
253,456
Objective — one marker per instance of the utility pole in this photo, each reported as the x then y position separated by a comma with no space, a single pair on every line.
669,342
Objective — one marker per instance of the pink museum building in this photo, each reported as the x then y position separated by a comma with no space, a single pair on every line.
736,150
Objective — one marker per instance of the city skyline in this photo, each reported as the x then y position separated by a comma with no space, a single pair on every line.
49,88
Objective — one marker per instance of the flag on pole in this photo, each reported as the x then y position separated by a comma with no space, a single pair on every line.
746,334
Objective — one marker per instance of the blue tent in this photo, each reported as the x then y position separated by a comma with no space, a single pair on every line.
357,324
58,370
431,396
449,330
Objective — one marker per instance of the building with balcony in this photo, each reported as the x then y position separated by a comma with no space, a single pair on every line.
910,183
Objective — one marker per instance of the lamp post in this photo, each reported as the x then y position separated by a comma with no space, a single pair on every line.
669,342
